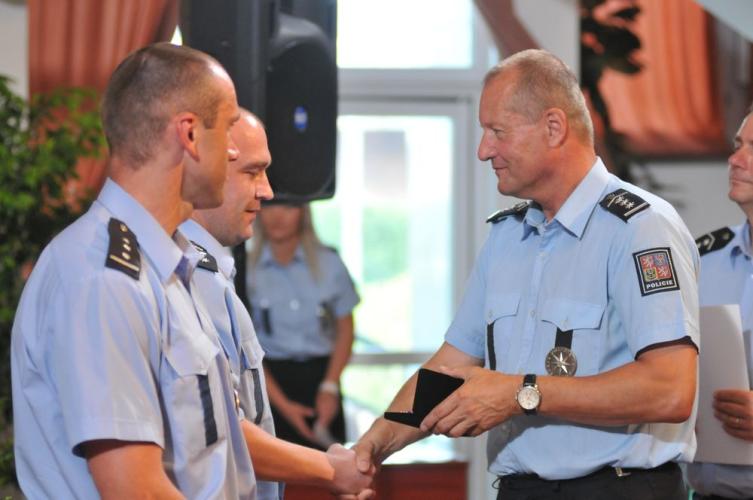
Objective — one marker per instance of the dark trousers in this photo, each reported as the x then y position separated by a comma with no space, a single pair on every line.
300,380
662,483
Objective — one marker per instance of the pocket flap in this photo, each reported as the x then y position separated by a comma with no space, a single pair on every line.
190,354
568,314
252,354
500,305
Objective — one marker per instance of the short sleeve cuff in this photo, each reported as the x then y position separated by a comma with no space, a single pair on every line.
470,346
665,336
91,429
345,306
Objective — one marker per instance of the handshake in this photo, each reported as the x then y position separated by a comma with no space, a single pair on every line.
348,481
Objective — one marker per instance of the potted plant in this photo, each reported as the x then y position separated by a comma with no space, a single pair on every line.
41,141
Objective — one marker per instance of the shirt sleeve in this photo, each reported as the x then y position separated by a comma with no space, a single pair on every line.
653,281
468,329
346,297
104,335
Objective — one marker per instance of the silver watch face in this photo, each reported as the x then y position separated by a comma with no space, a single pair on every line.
561,362
529,397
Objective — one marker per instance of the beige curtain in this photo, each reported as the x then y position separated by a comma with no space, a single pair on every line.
673,105
80,42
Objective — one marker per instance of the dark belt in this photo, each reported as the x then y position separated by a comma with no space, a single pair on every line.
698,496
616,472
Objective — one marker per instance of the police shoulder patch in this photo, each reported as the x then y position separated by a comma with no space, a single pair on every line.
123,252
519,209
624,204
656,270
714,240
207,260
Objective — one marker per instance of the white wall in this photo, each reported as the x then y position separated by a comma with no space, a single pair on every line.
698,190
14,43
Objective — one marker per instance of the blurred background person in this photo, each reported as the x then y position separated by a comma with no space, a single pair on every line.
302,298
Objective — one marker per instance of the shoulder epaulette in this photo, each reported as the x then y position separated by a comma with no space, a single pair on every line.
207,260
624,204
714,240
123,252
519,209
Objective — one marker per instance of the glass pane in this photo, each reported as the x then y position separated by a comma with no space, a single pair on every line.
367,391
391,221
404,34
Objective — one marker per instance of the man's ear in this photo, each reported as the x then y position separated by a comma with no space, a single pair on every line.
187,127
557,126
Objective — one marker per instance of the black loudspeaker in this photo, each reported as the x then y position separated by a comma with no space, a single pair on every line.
302,107
236,33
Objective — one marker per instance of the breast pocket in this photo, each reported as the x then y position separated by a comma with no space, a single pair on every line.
192,391
584,320
501,310
252,382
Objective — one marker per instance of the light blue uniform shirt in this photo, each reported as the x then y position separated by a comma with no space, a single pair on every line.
579,272
294,313
237,335
727,278
98,354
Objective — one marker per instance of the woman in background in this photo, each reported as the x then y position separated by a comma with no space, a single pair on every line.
302,299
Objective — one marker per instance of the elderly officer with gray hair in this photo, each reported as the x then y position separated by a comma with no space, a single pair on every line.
576,337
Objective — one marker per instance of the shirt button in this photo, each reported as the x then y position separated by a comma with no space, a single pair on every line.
532,313
294,305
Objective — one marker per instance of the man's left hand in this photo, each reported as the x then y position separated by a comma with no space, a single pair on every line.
734,408
486,399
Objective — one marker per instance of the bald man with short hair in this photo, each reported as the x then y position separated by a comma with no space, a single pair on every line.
214,231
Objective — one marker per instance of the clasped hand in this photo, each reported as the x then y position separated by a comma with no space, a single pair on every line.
349,483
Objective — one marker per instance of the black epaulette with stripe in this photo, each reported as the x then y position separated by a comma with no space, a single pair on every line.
123,253
714,240
624,204
207,260
518,209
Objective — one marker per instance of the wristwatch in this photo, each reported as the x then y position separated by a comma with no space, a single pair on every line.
528,395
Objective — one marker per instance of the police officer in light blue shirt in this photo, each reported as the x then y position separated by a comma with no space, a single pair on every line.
212,232
727,278
120,386
576,336
302,299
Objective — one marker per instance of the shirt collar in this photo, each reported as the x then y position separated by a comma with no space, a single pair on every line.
164,252
574,214
198,233
741,241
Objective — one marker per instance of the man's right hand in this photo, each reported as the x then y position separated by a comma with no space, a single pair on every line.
350,481
296,414
366,459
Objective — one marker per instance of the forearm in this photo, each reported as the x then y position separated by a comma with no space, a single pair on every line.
341,350
388,437
276,396
278,460
113,465
658,387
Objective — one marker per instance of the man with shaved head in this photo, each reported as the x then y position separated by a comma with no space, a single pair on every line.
121,388
213,231
577,334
